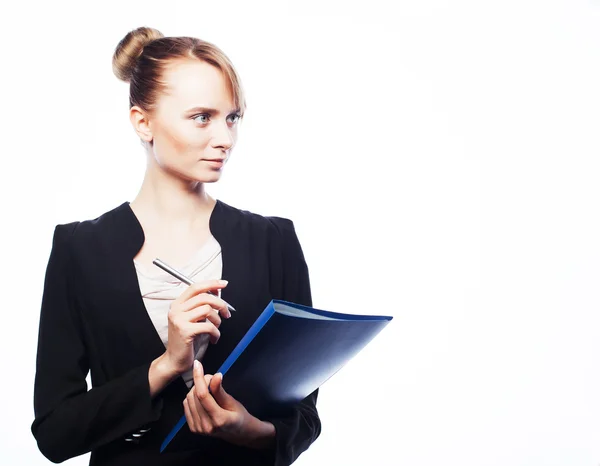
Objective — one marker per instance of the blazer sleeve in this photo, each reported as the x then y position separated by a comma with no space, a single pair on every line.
69,419
301,427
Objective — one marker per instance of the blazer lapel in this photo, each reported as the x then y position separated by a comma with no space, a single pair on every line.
128,238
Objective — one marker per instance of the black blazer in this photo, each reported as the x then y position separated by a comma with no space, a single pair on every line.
93,319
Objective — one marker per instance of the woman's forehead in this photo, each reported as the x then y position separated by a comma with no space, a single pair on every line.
196,83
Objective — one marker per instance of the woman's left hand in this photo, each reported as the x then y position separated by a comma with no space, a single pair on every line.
220,415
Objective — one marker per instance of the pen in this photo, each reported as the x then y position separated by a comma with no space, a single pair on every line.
185,279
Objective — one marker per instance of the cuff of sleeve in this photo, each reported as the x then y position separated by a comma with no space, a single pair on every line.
275,455
151,408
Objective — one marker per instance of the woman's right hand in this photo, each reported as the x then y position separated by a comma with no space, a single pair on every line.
191,314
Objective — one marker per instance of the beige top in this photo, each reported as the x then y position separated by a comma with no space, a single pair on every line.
160,288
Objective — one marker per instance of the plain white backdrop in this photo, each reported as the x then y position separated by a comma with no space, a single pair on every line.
440,161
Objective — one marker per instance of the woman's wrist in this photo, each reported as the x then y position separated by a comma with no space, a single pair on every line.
160,375
261,434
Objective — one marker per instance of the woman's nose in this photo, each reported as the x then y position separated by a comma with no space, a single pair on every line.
223,136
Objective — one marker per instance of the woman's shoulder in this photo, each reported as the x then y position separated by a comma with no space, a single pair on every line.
244,218
117,223
90,223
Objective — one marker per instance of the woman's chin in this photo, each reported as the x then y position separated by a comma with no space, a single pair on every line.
206,176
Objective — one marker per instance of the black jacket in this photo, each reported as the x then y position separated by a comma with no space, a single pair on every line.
93,319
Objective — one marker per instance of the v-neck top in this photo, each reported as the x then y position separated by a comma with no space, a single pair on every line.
159,289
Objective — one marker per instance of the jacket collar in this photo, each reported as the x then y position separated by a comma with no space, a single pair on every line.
126,238
129,236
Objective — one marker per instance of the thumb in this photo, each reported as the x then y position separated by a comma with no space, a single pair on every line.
224,399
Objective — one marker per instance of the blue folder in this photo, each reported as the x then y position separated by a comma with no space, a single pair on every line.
289,352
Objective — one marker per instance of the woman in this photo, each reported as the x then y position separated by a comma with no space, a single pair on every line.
108,310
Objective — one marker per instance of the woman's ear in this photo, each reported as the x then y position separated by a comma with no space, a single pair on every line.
141,123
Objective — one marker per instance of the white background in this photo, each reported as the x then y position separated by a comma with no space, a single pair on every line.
440,162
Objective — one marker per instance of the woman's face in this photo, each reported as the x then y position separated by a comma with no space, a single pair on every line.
194,126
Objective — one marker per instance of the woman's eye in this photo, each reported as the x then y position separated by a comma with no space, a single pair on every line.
203,115
237,116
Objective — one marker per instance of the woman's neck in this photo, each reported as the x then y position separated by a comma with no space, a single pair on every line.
172,202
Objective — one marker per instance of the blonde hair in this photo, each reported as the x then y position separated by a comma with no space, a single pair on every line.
143,55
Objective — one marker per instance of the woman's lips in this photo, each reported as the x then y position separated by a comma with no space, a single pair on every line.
215,163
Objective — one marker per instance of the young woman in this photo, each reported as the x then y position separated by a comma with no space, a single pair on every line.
108,310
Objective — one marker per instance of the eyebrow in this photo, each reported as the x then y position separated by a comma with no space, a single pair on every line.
212,111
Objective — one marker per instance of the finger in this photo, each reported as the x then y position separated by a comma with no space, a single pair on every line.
189,417
224,399
199,328
207,379
200,287
201,416
200,388
215,318
201,314
207,401
215,302
198,392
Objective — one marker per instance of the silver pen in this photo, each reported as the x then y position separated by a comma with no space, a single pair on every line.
184,279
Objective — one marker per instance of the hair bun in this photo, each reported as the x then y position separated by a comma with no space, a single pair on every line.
130,48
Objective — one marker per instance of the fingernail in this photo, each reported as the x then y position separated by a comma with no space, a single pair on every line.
224,282
196,364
